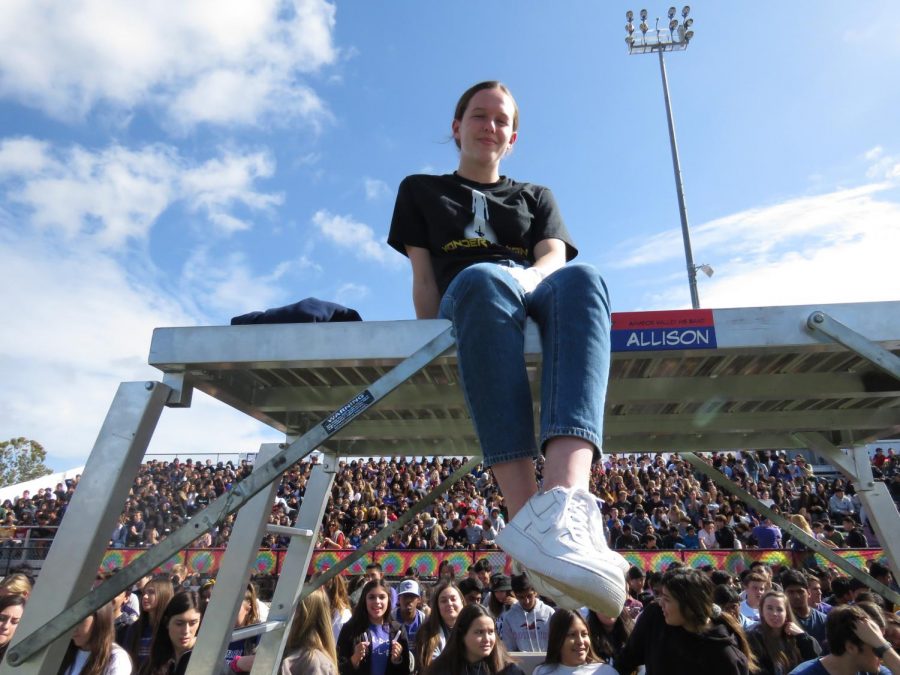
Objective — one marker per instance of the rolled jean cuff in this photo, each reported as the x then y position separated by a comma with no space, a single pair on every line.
512,456
576,432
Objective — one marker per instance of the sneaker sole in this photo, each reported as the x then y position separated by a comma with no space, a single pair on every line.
545,587
602,590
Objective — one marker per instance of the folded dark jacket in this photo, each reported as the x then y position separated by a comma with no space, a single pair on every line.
310,310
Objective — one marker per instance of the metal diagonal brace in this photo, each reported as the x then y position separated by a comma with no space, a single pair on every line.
229,502
725,483
878,355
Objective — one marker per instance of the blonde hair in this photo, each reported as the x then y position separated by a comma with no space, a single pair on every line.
311,627
16,584
336,590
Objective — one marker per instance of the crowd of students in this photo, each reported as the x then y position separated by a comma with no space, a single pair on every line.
649,502
678,620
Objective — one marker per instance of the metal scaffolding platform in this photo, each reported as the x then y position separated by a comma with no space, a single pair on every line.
823,377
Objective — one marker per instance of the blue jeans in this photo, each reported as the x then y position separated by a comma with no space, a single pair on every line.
488,309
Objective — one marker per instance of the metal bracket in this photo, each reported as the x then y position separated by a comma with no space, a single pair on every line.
182,393
880,357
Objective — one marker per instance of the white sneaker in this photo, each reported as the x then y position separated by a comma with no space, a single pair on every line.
558,535
543,587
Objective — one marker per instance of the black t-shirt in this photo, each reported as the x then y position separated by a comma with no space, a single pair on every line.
463,222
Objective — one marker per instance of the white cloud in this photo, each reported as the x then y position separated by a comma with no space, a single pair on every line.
350,294
375,189
116,194
354,236
837,246
216,61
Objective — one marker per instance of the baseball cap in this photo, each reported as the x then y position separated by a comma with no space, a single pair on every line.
408,586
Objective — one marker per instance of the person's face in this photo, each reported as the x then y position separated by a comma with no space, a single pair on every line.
575,646
376,604
671,609
408,602
798,598
484,577
449,604
148,598
373,575
635,585
243,612
774,612
527,599
480,639
485,131
83,632
9,621
473,597
183,630
502,596
755,591
815,593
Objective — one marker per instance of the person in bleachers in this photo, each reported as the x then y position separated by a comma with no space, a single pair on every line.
92,649
526,625
175,636
778,643
608,636
371,642
446,604
857,645
682,633
310,649
796,587
155,596
11,609
569,648
473,648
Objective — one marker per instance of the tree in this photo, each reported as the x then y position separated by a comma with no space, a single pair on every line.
21,460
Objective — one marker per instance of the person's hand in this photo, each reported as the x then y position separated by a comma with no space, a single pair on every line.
528,278
793,629
869,632
396,651
359,653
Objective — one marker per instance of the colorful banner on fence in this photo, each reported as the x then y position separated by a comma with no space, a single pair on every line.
395,563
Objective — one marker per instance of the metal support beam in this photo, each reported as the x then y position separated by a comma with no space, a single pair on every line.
32,642
881,358
78,548
233,577
723,482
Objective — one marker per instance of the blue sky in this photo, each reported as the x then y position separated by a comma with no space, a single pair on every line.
174,163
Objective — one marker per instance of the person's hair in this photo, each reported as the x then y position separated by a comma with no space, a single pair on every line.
753,576
429,635
720,578
311,627
778,645
17,583
840,586
161,649
840,628
560,623
693,591
464,100
250,596
873,610
336,590
359,620
520,583
99,644
375,566
792,577
453,659
164,593
607,643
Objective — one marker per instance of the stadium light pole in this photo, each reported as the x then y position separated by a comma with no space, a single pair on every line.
674,37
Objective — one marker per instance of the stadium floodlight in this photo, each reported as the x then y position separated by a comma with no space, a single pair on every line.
629,16
659,40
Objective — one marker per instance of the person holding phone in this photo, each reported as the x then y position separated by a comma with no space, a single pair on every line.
371,643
